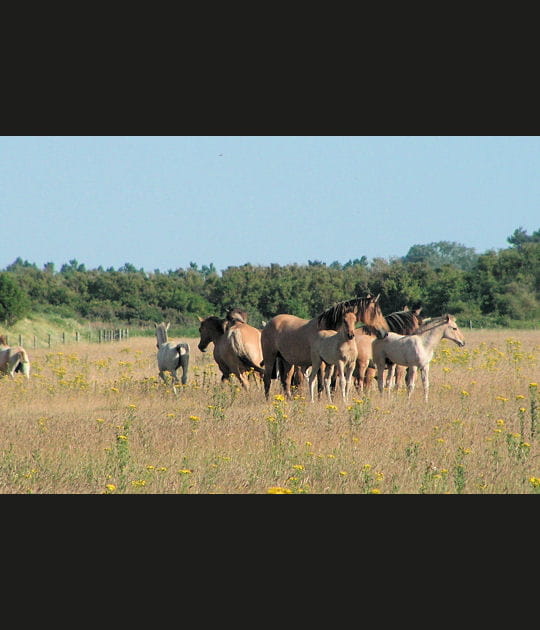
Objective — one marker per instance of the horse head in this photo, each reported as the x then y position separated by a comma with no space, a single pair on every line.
452,331
349,322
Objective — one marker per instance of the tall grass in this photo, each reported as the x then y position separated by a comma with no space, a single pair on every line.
95,419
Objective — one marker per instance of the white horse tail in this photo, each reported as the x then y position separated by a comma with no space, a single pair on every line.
237,344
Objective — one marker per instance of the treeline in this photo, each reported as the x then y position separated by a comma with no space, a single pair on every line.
496,288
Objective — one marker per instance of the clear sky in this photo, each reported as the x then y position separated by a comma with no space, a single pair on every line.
162,202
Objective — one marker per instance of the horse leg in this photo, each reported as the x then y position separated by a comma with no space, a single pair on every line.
328,372
286,374
411,380
369,378
184,363
348,380
269,368
390,381
400,375
425,381
314,376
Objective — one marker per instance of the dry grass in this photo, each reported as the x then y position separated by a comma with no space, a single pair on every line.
95,419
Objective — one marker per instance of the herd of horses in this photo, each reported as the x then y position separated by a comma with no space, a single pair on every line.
330,349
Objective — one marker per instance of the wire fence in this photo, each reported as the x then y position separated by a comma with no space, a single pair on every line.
94,336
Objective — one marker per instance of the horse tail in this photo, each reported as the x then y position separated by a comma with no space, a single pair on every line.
237,343
183,355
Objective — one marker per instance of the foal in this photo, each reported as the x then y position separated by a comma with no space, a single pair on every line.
415,351
335,348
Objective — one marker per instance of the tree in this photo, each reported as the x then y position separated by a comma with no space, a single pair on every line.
14,303
520,237
443,253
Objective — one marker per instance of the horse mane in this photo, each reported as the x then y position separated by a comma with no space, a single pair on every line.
218,323
403,322
331,318
432,322
236,315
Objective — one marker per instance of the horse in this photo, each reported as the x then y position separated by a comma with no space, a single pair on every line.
404,322
171,356
286,339
237,345
335,348
415,351
13,359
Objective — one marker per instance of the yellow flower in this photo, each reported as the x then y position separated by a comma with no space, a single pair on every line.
100,419
535,481
194,418
278,490
279,397
184,471
331,407
114,389
500,422
111,487
139,482
533,384
132,406
298,467
343,473
375,491
522,409
150,467
121,437
464,393
367,466
520,397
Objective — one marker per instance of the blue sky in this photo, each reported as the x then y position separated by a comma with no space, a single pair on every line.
162,202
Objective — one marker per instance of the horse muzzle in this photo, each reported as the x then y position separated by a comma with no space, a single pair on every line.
201,348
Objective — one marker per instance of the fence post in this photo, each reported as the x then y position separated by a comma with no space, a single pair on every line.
20,340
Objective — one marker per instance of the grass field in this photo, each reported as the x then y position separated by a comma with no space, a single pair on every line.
95,419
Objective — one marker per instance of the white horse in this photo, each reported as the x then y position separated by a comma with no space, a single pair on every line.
335,348
171,356
414,351
13,359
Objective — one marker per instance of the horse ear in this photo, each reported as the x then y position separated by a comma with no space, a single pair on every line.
156,325
375,300
405,308
167,325
447,318
199,318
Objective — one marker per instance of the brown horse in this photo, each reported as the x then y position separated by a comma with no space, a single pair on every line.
13,359
237,346
286,339
335,348
404,322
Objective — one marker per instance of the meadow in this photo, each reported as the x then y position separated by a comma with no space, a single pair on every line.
94,418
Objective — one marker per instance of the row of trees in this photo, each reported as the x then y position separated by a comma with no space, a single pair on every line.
494,288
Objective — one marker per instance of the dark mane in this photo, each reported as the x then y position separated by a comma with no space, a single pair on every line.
331,318
401,322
